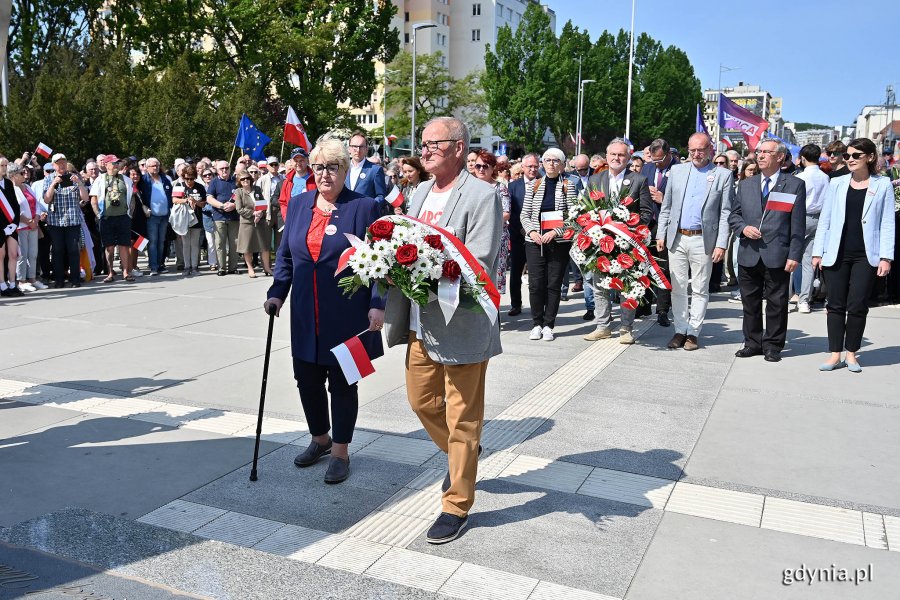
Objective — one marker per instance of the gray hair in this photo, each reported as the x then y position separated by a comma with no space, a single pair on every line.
330,150
659,144
153,158
533,155
619,140
555,153
781,148
15,169
456,129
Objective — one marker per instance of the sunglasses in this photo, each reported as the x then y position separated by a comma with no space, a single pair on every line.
835,153
243,179
482,167
853,155
721,163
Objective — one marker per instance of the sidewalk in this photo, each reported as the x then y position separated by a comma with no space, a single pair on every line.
129,411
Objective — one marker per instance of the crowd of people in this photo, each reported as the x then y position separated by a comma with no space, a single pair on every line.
766,223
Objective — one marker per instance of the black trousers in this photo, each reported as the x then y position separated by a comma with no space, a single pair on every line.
545,277
848,284
756,284
516,268
66,252
311,380
44,253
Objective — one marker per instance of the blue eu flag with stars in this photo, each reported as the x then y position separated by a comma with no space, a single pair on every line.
250,139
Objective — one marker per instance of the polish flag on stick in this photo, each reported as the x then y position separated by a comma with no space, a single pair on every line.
140,244
44,150
552,219
294,132
781,202
260,204
353,359
395,198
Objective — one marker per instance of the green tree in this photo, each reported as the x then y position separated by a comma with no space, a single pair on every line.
437,94
669,93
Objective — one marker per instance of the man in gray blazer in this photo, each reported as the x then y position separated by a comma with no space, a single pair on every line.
693,225
616,178
769,216
446,363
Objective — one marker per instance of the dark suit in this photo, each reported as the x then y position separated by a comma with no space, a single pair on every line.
761,274
370,183
663,296
517,241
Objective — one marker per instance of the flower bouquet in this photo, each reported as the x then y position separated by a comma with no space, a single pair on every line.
895,182
420,260
611,244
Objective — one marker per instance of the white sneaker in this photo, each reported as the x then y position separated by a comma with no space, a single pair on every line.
547,334
794,299
736,299
535,333
26,287
137,273
804,307
38,285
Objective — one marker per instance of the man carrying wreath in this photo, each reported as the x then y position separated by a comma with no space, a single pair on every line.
446,362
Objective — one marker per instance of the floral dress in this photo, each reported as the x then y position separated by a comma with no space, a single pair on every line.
504,238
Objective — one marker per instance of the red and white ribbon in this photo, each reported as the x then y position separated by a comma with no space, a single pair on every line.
621,230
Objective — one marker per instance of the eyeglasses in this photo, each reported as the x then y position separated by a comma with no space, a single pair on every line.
208,174
698,150
186,178
551,161
332,168
358,146
720,163
767,151
253,172
482,167
243,179
434,145
853,155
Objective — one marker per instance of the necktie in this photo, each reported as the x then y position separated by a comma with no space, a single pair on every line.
766,183
658,178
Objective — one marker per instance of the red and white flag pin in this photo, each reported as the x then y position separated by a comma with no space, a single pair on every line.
552,219
44,150
140,244
395,198
353,359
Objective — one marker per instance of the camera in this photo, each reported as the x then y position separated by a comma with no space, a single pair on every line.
66,180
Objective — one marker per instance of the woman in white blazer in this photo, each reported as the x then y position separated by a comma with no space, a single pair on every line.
854,243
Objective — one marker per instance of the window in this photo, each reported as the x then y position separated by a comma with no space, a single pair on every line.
476,35
405,38
509,14
476,10
499,10
406,16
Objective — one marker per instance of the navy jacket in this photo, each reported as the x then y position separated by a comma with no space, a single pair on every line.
370,183
516,198
340,316
145,187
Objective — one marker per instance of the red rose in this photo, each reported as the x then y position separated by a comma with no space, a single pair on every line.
625,260
638,256
407,254
633,220
381,230
568,234
583,242
597,195
434,241
643,231
628,201
451,270
607,244
644,281
616,284
583,220
630,304
603,264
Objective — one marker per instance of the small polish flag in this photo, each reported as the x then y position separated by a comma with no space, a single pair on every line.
353,359
44,150
178,192
781,202
294,132
727,143
395,198
552,219
259,203
345,257
140,244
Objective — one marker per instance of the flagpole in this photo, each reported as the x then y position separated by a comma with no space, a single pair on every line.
232,156
630,68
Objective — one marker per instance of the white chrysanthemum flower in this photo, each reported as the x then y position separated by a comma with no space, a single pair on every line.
379,269
621,213
623,243
593,215
604,282
644,268
382,248
578,256
596,234
614,267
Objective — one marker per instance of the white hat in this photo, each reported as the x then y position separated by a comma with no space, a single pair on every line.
58,156
178,163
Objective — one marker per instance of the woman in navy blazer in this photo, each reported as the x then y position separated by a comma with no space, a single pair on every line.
322,316
854,243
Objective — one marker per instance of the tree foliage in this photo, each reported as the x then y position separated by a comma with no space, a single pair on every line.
172,77
531,85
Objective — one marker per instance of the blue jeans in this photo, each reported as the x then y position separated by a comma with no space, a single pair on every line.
156,233
588,290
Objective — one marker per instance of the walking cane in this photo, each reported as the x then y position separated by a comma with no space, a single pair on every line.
270,309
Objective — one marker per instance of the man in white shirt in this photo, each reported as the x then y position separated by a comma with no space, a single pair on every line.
816,184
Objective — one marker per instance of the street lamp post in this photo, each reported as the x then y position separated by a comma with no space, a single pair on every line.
630,68
412,137
722,69
580,120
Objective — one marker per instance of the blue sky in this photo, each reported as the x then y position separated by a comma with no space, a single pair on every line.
823,84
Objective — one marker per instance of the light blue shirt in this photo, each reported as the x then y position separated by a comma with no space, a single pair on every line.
299,185
159,204
694,197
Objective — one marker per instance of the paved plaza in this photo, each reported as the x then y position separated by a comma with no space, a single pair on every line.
128,412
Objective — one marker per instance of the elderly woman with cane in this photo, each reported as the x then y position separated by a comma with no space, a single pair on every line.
322,316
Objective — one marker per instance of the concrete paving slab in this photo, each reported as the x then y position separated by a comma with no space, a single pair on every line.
73,303
18,418
585,543
177,311
288,494
694,558
119,466
814,447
